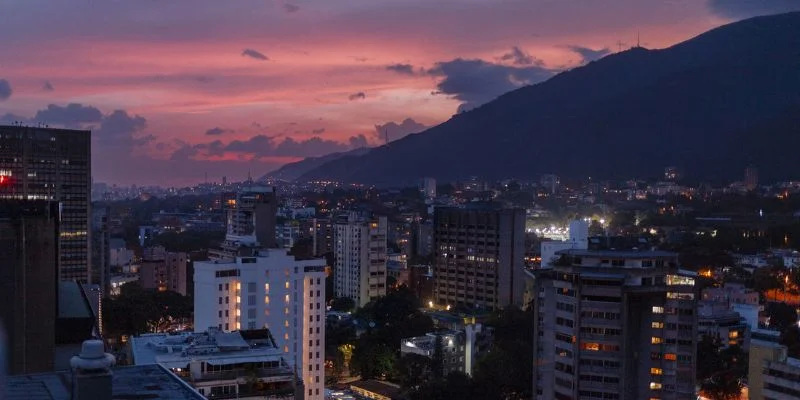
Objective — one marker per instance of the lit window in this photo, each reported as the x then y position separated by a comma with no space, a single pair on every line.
658,310
266,299
657,325
656,340
679,280
656,371
670,356
286,310
285,349
590,346
286,323
285,336
733,334
286,298
266,288
655,386
287,284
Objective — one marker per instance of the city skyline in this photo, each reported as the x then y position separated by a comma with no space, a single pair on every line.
173,93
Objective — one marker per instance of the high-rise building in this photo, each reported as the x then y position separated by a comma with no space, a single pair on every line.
427,187
551,183
163,270
53,164
273,290
29,234
751,178
479,256
360,250
614,325
253,214
101,247
322,235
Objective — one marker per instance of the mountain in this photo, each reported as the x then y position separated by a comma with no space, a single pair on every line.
711,105
292,171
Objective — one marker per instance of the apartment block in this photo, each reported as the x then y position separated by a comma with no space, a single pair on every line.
479,256
268,290
614,325
772,375
360,251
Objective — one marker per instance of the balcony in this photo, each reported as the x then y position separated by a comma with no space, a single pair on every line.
242,375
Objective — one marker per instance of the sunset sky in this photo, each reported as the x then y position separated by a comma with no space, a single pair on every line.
175,89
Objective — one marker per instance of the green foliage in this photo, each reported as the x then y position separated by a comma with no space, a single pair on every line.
412,370
781,315
372,358
766,278
719,370
456,386
343,304
136,310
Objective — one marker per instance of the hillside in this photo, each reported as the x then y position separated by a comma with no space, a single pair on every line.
292,171
710,105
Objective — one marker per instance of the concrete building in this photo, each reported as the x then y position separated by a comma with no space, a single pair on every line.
615,325
53,164
479,256
578,238
242,364
718,320
322,234
751,178
29,234
253,213
460,349
427,187
772,375
164,270
91,377
101,246
119,254
287,234
360,251
268,289
731,293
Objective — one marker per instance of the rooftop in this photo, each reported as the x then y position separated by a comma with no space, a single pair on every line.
135,382
382,388
618,253
216,347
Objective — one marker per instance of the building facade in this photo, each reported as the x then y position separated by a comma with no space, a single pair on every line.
164,270
53,164
460,349
479,256
772,375
253,213
360,251
614,325
270,290
29,236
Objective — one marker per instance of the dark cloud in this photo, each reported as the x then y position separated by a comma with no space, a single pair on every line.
118,130
5,90
357,96
217,131
475,82
405,69
71,115
396,131
737,9
588,54
48,87
518,56
291,8
318,131
259,145
9,118
254,54
262,146
358,142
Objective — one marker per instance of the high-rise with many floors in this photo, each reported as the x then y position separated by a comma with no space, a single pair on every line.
614,325
359,245
53,164
479,256
28,282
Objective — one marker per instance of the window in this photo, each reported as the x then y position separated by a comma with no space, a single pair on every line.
227,313
220,313
658,310
251,287
266,299
226,299
220,287
220,300
657,325
286,298
670,357
226,327
590,346
656,340
673,280
251,313
656,371
251,300
733,334
227,287
655,386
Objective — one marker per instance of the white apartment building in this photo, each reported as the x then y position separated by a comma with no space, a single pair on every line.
360,248
269,289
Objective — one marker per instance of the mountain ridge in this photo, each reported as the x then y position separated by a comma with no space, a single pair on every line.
693,105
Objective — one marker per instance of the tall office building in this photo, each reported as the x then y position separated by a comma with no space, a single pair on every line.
53,164
614,325
101,247
479,256
28,282
360,249
751,178
269,289
322,235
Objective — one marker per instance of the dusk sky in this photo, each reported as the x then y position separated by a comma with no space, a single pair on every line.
175,89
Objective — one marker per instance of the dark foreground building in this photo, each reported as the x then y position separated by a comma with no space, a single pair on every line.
28,282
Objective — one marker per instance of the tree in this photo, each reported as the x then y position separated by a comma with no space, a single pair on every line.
722,387
781,315
766,278
437,359
412,370
343,304
372,358
708,359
